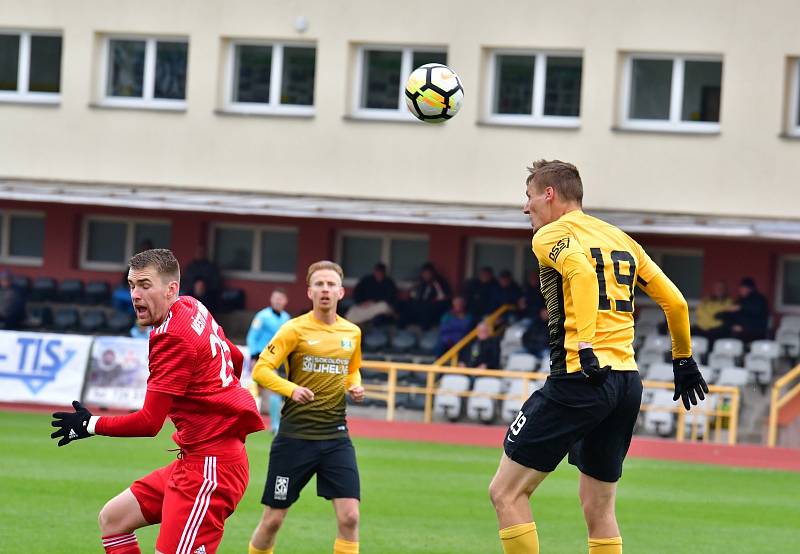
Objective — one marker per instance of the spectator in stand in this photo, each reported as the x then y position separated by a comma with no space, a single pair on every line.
532,295
747,320
121,297
202,280
264,326
454,326
429,298
375,296
480,293
536,339
507,291
710,313
12,303
483,352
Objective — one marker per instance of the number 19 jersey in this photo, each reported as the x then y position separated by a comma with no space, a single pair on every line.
620,264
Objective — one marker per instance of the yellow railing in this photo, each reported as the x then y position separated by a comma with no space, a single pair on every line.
727,406
451,356
779,402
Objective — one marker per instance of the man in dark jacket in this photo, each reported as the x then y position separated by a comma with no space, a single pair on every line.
483,352
12,303
748,318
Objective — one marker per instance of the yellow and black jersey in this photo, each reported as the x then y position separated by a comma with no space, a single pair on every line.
324,358
588,271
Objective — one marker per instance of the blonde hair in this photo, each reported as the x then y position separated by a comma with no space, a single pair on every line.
562,176
323,264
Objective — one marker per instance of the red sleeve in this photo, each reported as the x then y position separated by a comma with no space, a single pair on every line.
171,363
237,358
147,422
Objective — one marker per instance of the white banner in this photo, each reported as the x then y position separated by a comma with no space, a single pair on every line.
42,368
117,376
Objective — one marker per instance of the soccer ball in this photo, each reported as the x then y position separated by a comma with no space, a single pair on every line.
434,93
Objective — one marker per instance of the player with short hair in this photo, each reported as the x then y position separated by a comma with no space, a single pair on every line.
323,352
194,379
590,402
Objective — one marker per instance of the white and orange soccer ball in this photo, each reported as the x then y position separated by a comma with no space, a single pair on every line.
434,93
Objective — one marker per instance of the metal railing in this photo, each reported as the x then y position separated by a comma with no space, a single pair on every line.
777,402
725,412
451,356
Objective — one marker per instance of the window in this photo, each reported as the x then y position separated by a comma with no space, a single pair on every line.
668,93
271,78
535,88
145,72
500,254
109,242
22,238
793,127
789,283
258,252
381,74
30,67
404,255
683,267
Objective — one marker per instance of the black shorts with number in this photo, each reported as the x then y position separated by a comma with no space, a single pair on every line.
569,415
292,463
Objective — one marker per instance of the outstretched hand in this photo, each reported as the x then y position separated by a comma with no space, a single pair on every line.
71,426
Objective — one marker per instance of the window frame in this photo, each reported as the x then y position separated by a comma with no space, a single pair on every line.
23,94
276,80
674,123
255,274
793,126
657,253
386,250
147,101
518,272
537,118
780,305
85,263
406,59
5,240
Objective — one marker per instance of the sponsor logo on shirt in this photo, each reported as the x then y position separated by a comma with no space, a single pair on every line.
559,246
319,364
347,344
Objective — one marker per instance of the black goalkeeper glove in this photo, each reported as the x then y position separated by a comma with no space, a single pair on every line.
590,367
689,382
71,425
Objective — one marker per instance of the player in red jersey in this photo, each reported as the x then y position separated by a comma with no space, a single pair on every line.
194,379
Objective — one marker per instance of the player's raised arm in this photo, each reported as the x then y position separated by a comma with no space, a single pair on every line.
689,382
271,358
556,247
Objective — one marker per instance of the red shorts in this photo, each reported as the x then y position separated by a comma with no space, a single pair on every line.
191,498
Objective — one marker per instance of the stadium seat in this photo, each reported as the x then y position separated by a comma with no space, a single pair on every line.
764,349
92,321
701,421
650,357
660,422
402,341
483,408
97,292
522,362
709,373
65,319
728,347
656,343
445,403
38,317
410,401
660,372
428,341
231,299
70,291
732,377
375,340
21,283
789,339
790,322
120,323
516,397
511,341
759,370
43,289
699,348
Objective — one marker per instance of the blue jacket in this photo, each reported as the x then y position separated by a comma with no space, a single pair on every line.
265,324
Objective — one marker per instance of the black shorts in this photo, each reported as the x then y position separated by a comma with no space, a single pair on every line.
292,463
569,415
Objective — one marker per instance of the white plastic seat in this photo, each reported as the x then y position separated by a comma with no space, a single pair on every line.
446,403
511,406
728,347
766,349
732,377
483,408
699,420
789,339
790,322
718,360
650,358
657,343
759,370
709,373
660,372
699,347
660,422
522,361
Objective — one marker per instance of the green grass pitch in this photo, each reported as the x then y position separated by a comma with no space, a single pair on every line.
417,497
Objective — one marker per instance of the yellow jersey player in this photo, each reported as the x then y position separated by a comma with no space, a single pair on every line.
589,403
323,352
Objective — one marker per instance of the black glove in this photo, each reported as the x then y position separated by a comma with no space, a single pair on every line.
590,367
688,381
71,425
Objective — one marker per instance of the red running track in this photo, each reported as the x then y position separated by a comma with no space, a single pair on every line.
745,455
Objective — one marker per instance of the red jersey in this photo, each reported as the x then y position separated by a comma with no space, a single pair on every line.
190,359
